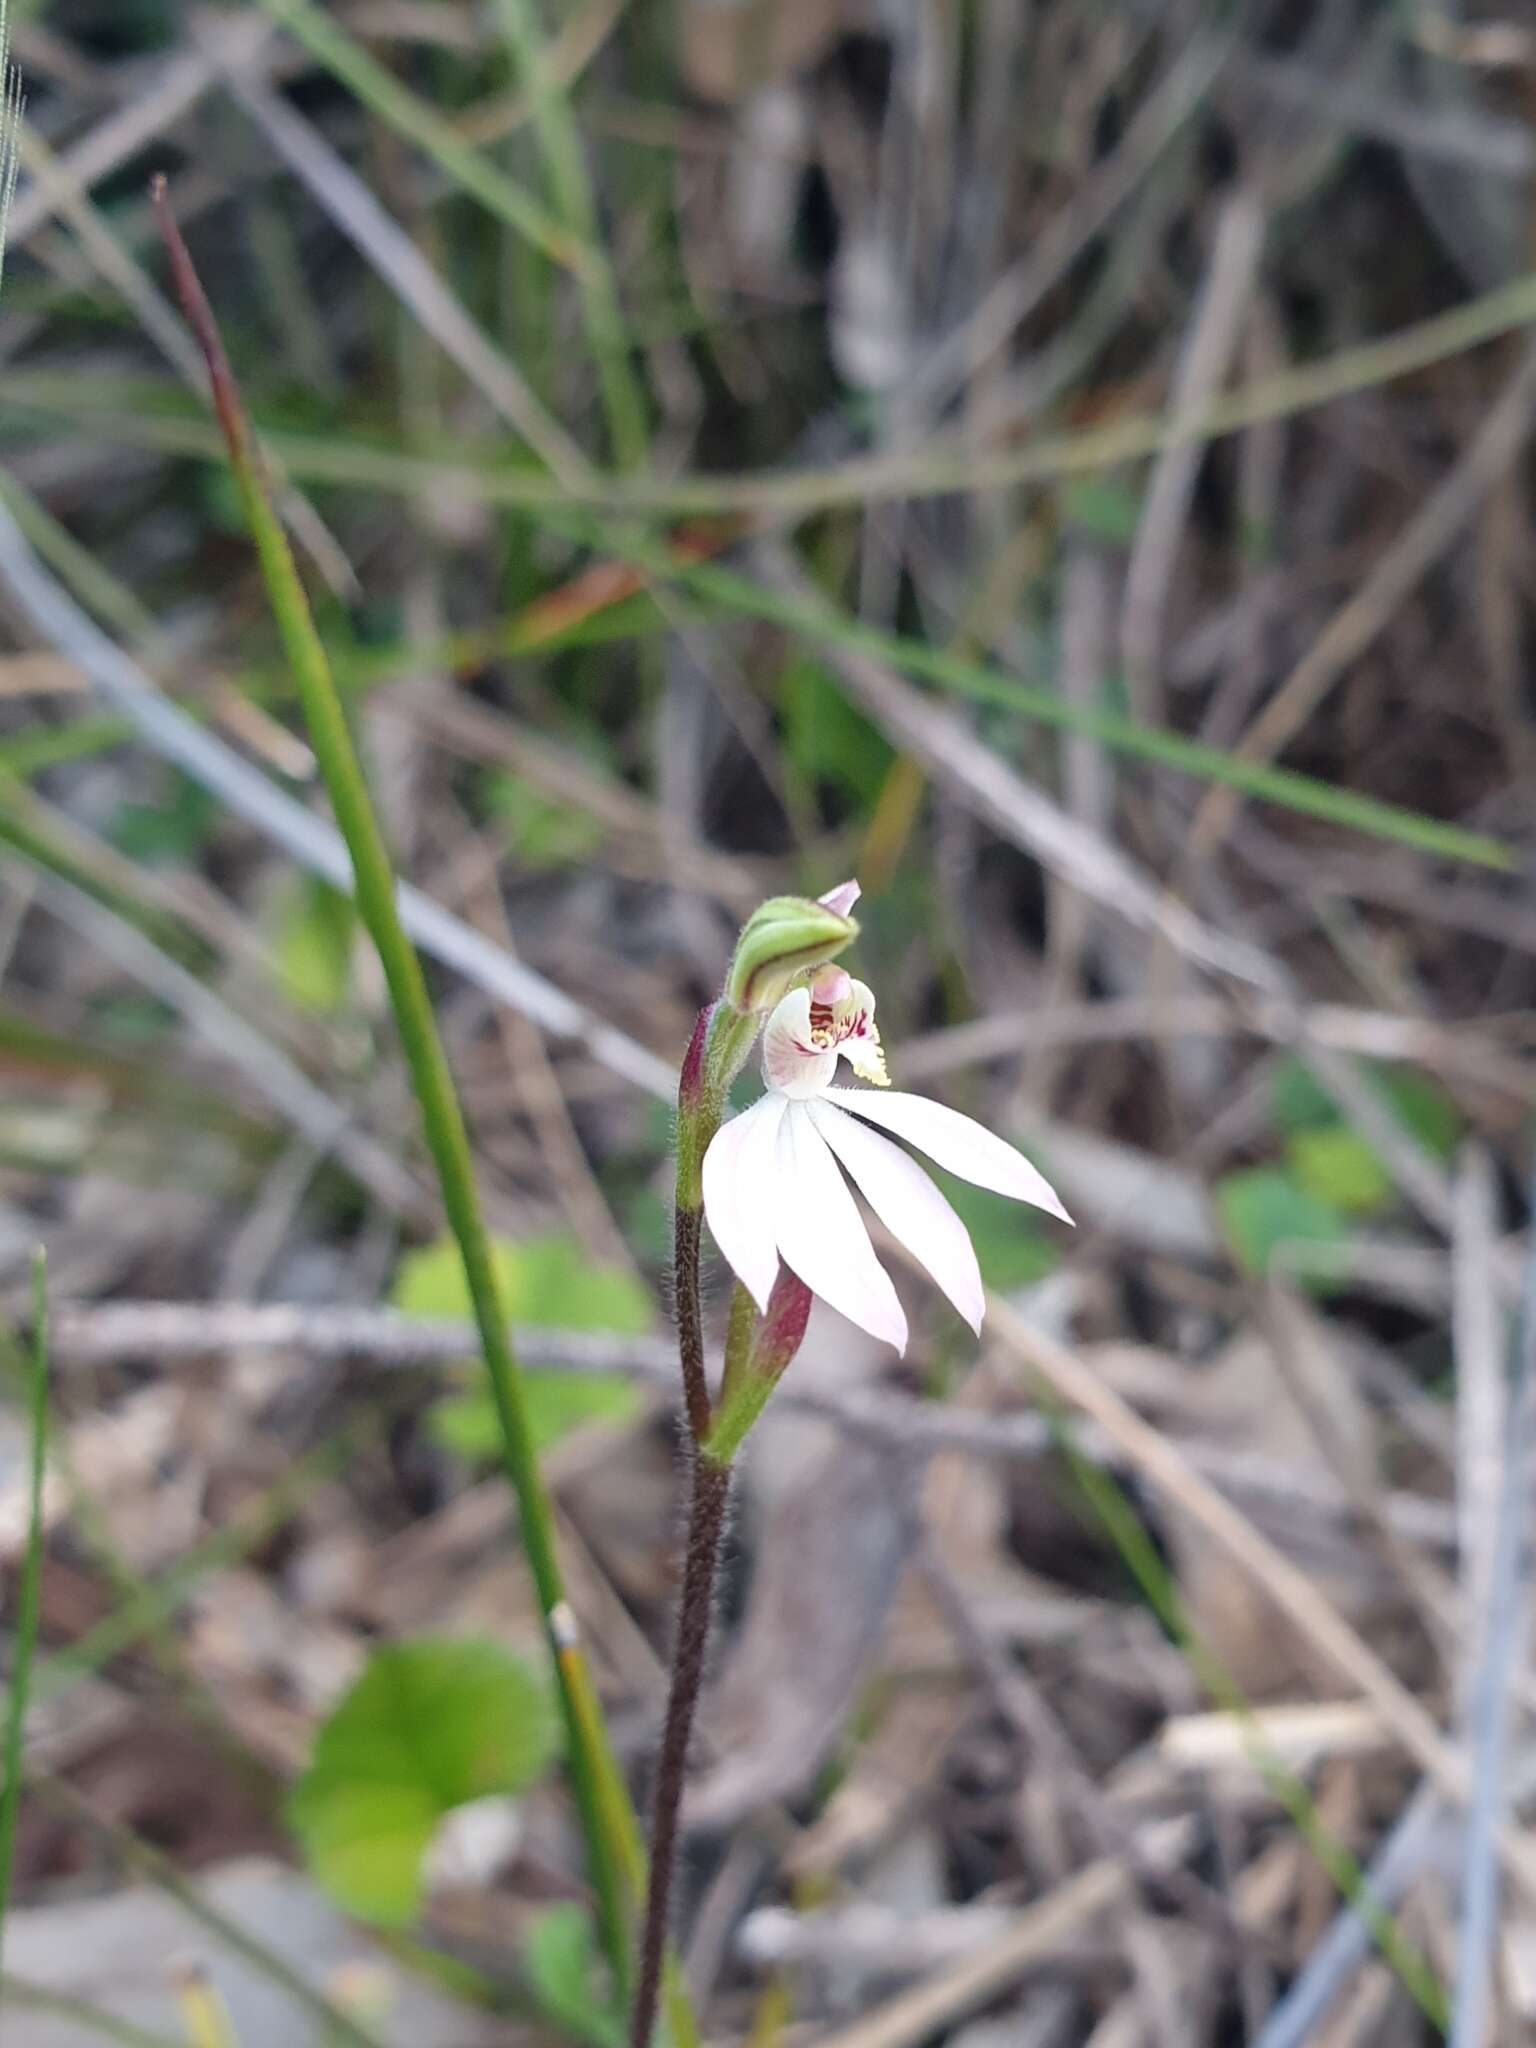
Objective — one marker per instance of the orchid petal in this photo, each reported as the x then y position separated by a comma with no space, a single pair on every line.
908,1204
790,1061
738,1178
861,1048
955,1142
821,1235
841,899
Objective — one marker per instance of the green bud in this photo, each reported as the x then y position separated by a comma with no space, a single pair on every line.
783,939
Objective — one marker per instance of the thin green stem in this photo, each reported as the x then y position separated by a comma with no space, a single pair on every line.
135,1854
1139,1553
204,2013
626,1830
150,1609
29,1590
623,400
378,89
441,1115
144,420
819,621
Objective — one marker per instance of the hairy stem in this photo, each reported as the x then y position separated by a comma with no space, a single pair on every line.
687,1307
706,1528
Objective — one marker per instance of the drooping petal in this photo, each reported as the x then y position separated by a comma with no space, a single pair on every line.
738,1175
792,1060
821,1235
955,1142
908,1204
858,1039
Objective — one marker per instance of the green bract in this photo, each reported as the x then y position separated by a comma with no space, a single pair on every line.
783,938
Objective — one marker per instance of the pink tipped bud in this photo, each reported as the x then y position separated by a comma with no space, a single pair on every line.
842,898
690,1082
783,1326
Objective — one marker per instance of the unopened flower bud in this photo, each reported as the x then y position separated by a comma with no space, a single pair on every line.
783,939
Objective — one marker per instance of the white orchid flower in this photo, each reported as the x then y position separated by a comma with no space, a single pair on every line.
773,1176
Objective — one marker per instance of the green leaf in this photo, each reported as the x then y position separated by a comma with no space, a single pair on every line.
313,945
1103,507
1424,1108
1297,1101
1335,1164
828,739
548,1281
561,1961
172,832
1263,1207
557,1403
540,832
429,1725
1330,1158
1418,1102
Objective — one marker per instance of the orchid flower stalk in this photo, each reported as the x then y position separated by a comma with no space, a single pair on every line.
770,1184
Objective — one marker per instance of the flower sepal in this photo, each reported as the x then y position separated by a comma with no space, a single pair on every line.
784,939
756,1360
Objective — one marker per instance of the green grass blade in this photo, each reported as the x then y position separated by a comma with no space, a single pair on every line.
28,1590
141,416
329,2021
441,1116
623,401
365,464
1140,1555
378,89
144,1612
818,621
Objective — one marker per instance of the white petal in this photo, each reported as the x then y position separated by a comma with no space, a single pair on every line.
854,1013
955,1142
790,1061
822,1237
738,1194
908,1204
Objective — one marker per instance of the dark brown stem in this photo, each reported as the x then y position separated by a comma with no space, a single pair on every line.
696,1607
686,1228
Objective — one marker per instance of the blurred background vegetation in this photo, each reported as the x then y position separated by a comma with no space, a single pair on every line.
1064,463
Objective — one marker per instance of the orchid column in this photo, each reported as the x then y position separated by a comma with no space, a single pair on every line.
770,1185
